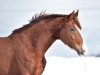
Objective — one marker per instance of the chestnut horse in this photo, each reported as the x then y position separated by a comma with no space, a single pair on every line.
22,52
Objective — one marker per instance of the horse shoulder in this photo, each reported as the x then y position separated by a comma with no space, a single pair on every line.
6,54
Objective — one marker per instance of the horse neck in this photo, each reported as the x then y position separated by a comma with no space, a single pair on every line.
43,35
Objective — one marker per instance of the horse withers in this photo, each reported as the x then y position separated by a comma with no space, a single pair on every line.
22,52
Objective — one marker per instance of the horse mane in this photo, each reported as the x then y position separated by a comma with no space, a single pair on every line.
35,19
43,16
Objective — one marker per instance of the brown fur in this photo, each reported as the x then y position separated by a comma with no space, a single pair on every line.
22,52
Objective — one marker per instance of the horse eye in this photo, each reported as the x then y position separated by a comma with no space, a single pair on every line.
71,29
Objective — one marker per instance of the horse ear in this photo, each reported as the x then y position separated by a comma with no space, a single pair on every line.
71,15
76,14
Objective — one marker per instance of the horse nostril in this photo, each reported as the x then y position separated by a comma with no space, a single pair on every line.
83,50
81,53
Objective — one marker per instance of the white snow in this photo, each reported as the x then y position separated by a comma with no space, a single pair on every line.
72,66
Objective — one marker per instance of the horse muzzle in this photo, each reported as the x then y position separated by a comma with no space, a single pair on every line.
82,52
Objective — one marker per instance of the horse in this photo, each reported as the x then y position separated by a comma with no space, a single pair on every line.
22,52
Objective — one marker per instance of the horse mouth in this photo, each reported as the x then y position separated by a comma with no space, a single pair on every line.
81,50
81,53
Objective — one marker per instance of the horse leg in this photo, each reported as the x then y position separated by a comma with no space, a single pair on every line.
40,67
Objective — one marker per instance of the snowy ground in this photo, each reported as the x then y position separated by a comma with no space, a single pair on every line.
72,66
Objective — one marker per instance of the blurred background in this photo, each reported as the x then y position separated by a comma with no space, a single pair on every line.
16,13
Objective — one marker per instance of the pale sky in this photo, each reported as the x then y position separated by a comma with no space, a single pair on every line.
16,13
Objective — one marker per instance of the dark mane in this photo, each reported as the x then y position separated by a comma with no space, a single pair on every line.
37,18
43,16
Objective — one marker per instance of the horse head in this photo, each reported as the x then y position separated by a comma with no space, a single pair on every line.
71,35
